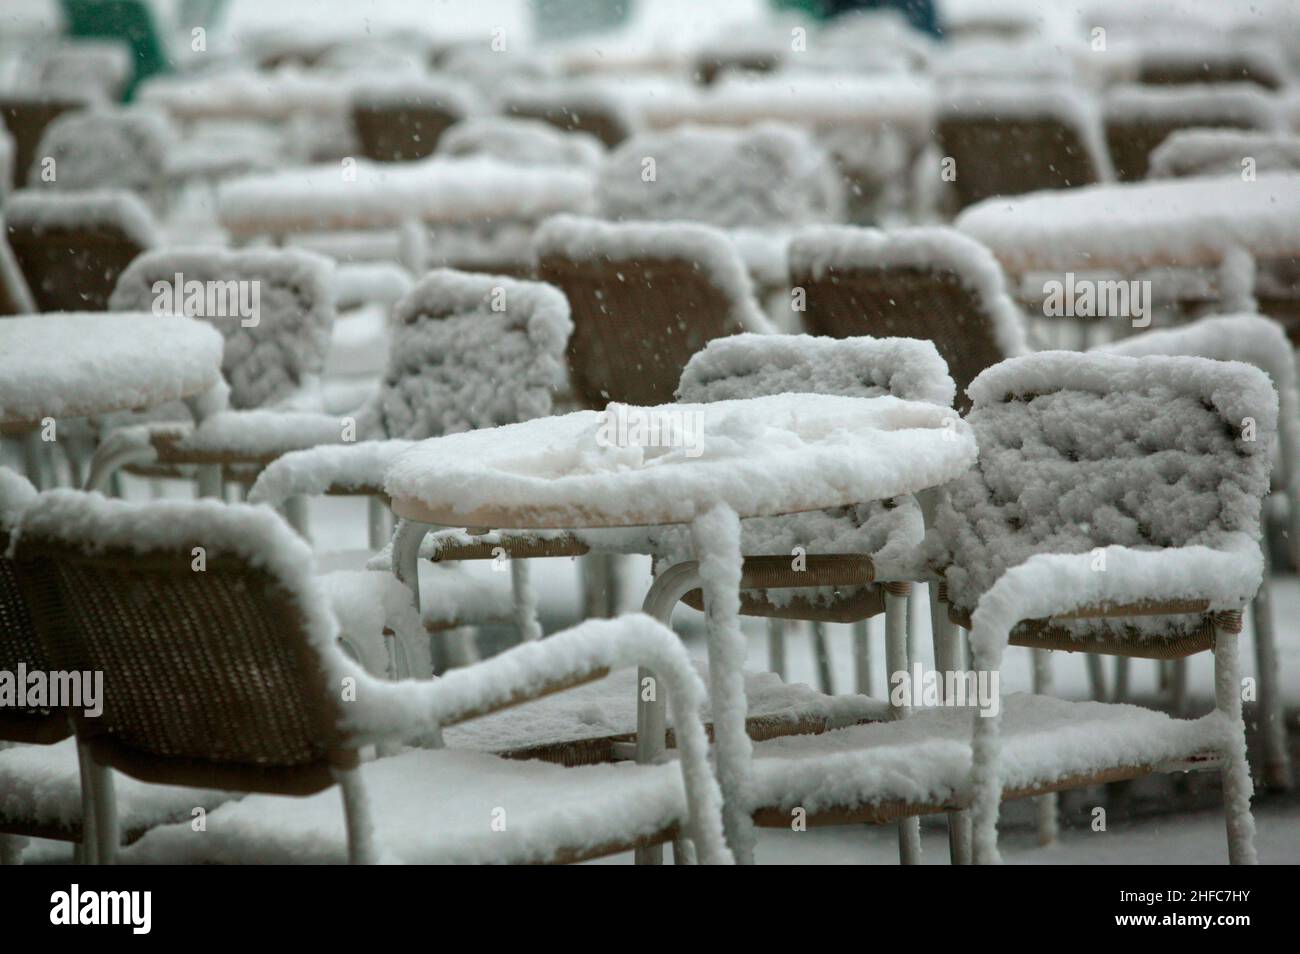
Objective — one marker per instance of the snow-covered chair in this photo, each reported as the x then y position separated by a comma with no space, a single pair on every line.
1217,60
105,148
1012,138
401,121
15,296
765,176
1137,119
573,107
299,728
26,116
1255,340
645,297
930,283
524,142
1115,510
72,246
44,775
1210,152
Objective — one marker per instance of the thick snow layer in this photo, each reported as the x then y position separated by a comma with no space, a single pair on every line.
707,249
365,604
358,349
104,149
276,346
363,283
1243,104
392,92
926,758
78,365
341,467
472,350
42,211
1099,459
16,495
270,96
767,175
41,784
763,456
818,250
607,708
1140,224
1201,152
523,142
749,365
1065,103
384,195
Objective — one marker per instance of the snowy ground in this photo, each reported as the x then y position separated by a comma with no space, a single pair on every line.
1156,820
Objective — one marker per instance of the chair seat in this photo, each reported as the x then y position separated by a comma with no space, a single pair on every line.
583,724
40,795
922,763
444,806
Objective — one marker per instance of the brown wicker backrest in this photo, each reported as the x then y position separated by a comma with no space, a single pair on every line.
208,677
19,645
1197,69
904,302
1131,140
1011,155
637,321
400,132
26,119
605,124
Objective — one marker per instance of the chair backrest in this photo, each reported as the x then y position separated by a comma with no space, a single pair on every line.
1183,63
470,350
1207,152
573,109
749,365
215,649
72,246
1138,119
524,142
108,148
26,118
403,122
767,176
930,283
645,297
1011,139
19,643
275,308
1081,451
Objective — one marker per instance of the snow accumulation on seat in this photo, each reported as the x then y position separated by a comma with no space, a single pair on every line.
767,456
824,249
394,92
1201,152
524,142
708,251
104,148
926,758
74,365
1155,466
770,175
1244,104
41,211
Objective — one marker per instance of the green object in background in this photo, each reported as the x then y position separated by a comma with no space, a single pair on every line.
129,21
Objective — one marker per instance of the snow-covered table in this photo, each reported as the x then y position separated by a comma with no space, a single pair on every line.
371,195
706,465
72,365
1178,223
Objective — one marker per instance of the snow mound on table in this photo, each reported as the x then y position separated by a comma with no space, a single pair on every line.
524,142
471,351
764,456
42,211
457,98
1081,452
819,250
1199,152
768,175
708,249
1243,104
104,149
750,365
277,353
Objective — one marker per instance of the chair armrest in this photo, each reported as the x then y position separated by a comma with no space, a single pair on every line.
387,711
336,468
1068,586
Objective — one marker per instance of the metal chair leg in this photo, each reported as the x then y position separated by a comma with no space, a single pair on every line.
1237,787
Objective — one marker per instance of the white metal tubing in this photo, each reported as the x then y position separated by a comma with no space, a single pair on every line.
1096,676
946,659
1236,772
356,816
822,658
1277,760
86,770
524,602
862,657
107,836
295,511
209,480
776,646
106,462
377,514
909,829
1120,692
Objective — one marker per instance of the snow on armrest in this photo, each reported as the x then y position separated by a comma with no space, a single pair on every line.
1057,583
355,467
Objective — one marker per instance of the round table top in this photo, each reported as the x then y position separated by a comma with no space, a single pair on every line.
633,466
79,364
